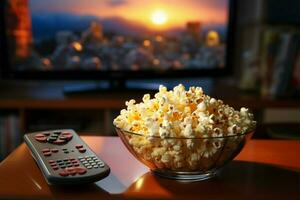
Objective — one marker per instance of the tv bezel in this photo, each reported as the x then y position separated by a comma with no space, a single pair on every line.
6,71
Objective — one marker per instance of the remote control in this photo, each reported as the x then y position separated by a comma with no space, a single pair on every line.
64,158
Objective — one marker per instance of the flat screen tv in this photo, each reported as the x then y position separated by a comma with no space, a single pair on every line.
116,39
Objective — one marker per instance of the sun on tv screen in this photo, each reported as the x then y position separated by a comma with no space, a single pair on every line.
117,35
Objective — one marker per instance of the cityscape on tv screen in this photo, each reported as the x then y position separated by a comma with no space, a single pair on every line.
108,35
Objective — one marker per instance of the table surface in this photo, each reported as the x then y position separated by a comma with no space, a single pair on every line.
265,169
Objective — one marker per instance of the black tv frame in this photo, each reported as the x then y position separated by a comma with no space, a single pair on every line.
6,71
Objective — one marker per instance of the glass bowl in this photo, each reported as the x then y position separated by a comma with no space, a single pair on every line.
186,159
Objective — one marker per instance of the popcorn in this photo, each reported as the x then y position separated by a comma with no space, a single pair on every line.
176,127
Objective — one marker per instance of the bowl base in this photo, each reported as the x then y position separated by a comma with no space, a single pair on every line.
185,176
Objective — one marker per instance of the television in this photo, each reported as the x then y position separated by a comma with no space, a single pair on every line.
116,39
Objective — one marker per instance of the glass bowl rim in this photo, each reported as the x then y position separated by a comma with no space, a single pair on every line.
183,138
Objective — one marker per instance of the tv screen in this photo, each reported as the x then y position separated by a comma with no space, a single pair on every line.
117,35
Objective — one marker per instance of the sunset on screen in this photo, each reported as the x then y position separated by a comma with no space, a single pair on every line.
153,14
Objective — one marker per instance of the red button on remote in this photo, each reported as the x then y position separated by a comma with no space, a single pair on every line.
41,139
39,135
59,141
45,150
81,170
63,138
47,154
55,167
54,150
71,170
82,150
51,161
53,164
79,146
64,173
67,135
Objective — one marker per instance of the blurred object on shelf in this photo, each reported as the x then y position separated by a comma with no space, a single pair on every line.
279,50
250,74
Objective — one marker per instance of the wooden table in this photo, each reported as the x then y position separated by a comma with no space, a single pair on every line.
265,169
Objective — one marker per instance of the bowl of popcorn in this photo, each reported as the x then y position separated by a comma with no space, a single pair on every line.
184,134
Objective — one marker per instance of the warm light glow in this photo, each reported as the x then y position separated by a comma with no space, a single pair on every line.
77,46
146,43
156,62
159,38
212,38
159,17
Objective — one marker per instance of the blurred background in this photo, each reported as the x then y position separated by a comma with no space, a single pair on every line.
74,63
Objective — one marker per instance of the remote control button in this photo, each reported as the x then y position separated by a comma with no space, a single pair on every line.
54,135
76,164
41,139
81,170
39,135
54,150
64,173
84,162
73,159
95,166
63,137
89,167
45,150
59,141
47,154
82,150
101,165
51,161
68,135
53,164
79,146
66,152
80,157
63,166
69,165
55,168
71,170
46,134
51,140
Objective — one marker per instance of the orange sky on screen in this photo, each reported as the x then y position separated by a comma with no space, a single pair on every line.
178,12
